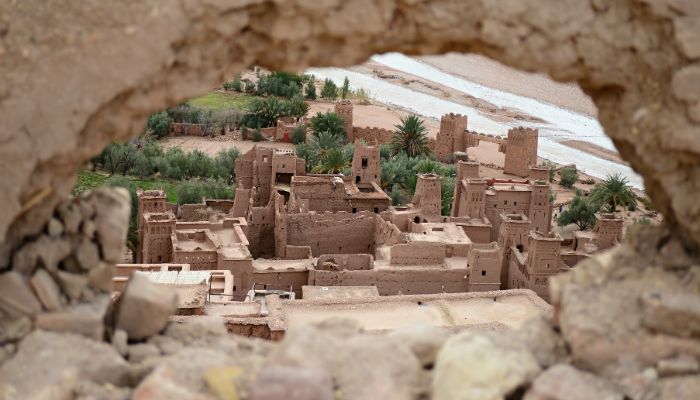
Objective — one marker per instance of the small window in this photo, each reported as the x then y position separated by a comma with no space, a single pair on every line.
505,202
354,210
416,219
515,203
376,210
483,272
357,179
364,162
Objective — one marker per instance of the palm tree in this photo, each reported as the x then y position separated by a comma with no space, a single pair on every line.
332,162
613,192
328,122
410,137
323,141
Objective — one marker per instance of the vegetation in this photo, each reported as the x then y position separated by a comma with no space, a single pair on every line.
612,192
552,169
145,158
345,89
299,134
410,137
264,112
280,83
646,202
569,176
580,212
193,191
311,91
328,122
329,90
159,124
222,101
362,96
333,161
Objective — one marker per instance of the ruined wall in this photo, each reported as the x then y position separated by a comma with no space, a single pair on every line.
372,134
261,231
484,263
427,196
344,110
186,129
608,230
339,262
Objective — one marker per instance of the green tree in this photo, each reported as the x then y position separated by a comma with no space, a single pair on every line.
328,122
297,107
329,90
345,89
552,169
249,86
264,113
612,192
410,137
569,176
311,90
580,212
159,124
236,85
224,164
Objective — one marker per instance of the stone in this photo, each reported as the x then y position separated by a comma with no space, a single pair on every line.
113,210
681,387
564,382
222,381
46,290
13,327
372,375
167,345
181,376
424,341
292,384
100,277
473,366
673,313
87,390
7,351
89,229
197,331
687,33
85,319
43,359
72,284
681,365
686,83
87,254
144,307
119,342
48,250
544,343
16,297
71,216
54,228
141,351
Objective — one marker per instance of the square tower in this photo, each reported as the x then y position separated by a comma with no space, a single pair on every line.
472,203
521,151
608,230
540,208
344,110
157,245
149,201
542,261
366,164
513,232
450,137
484,264
465,169
427,196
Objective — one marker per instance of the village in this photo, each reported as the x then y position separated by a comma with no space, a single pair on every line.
295,234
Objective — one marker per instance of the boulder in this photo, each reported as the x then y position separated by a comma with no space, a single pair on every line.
478,366
16,297
44,359
564,382
87,319
113,210
292,384
46,290
145,307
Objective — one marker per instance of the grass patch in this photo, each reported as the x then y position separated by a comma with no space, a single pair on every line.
223,101
88,180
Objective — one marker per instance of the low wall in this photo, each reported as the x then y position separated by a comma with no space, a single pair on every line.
350,262
186,129
416,253
370,134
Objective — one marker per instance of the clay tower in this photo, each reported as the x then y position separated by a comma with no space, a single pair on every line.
427,196
450,138
540,208
344,110
366,164
465,170
521,151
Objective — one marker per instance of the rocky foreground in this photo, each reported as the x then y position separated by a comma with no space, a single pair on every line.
626,325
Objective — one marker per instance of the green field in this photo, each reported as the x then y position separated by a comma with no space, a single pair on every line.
223,101
89,180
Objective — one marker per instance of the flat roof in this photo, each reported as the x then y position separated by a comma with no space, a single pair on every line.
504,308
338,292
262,265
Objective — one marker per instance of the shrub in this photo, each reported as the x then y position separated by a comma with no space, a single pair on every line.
362,96
280,83
143,166
329,90
159,124
185,113
646,202
244,132
119,157
296,107
580,212
552,169
569,176
257,135
193,191
249,86
264,113
224,164
299,134
345,89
